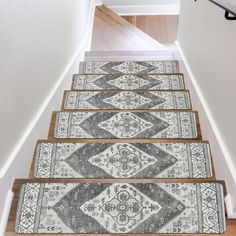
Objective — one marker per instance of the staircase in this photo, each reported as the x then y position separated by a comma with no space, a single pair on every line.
109,28
124,155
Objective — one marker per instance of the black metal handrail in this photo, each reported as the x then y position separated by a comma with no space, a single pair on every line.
230,9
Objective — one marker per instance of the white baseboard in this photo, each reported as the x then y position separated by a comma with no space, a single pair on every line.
231,210
19,162
6,209
223,164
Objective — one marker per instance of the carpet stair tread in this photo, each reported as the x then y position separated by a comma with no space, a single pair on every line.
109,125
124,156
122,160
121,208
126,100
128,82
130,67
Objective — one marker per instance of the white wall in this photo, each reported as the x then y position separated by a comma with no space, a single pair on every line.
207,43
144,7
41,44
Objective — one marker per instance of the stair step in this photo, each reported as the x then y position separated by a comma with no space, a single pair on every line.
128,82
139,125
141,170
130,67
122,160
129,55
95,208
127,100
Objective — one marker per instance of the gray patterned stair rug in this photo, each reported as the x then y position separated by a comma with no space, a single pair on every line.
127,100
130,67
122,160
126,125
128,82
121,208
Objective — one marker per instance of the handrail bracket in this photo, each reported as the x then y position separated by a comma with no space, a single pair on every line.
229,16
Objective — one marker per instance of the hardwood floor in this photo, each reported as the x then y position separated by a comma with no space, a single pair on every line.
109,26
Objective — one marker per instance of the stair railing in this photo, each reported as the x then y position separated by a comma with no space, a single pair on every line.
230,9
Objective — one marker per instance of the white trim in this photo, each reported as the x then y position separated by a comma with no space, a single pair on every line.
168,9
214,127
5,214
231,211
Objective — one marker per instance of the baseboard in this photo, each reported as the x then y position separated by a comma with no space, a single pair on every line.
6,209
130,10
222,159
18,163
231,211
